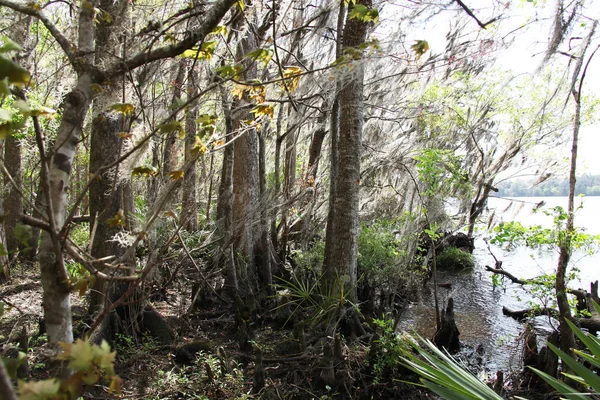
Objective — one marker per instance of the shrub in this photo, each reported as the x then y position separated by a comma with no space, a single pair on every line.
453,258
377,246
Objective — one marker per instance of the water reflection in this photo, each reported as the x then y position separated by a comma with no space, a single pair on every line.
478,305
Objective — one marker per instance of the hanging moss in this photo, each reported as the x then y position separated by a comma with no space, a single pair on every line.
453,258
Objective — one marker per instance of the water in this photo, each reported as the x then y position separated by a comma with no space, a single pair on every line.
478,305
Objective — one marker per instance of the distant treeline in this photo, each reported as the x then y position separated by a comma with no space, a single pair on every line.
588,185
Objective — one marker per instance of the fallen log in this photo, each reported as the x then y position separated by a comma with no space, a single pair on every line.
500,271
591,324
521,315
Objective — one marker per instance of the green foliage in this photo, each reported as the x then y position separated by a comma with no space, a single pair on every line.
229,71
310,260
386,350
513,233
442,374
11,73
211,376
377,246
204,52
261,55
453,258
442,172
303,294
364,14
89,364
80,234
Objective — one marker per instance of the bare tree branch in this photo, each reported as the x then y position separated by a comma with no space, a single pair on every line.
468,11
62,40
212,19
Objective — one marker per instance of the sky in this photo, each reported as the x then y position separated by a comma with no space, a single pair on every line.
527,52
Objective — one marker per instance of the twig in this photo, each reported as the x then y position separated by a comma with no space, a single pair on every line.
468,11
10,304
187,252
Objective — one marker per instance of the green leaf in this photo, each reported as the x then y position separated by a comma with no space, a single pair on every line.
9,45
220,30
5,115
562,387
261,55
5,130
205,52
420,47
123,108
172,126
22,106
146,171
206,119
14,72
3,252
4,87
229,71
364,14
23,234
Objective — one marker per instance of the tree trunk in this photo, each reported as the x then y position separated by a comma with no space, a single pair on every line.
111,192
4,266
265,249
567,338
189,213
13,203
289,179
225,205
448,333
343,237
54,276
171,138
330,275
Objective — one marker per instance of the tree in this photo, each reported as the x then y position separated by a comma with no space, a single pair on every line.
13,202
57,171
342,238
567,339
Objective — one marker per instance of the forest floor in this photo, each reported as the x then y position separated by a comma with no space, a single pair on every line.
218,371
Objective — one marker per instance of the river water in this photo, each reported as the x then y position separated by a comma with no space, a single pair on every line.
478,304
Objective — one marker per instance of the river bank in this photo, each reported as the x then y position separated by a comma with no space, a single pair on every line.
478,302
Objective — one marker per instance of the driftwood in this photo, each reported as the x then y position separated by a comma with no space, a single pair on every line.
591,324
521,315
500,271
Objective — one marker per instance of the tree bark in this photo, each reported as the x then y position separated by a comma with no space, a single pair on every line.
54,276
330,274
111,193
13,203
343,237
567,338
171,138
189,213
4,265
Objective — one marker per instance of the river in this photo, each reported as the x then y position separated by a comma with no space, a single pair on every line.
478,305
